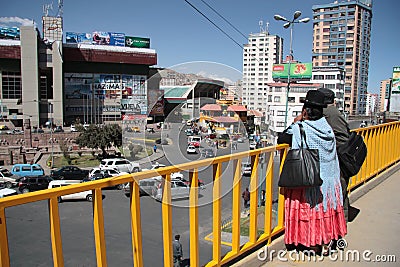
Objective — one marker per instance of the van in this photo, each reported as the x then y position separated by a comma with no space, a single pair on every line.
27,170
85,195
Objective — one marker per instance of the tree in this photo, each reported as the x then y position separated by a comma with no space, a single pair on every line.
100,137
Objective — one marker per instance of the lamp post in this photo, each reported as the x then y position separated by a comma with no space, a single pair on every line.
51,134
290,23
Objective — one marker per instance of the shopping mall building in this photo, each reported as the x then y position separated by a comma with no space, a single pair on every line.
103,77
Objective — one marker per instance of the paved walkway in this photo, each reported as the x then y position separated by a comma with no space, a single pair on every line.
373,234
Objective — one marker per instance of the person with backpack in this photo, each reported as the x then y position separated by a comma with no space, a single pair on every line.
314,216
342,133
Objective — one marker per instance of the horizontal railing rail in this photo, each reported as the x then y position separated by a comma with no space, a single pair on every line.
382,144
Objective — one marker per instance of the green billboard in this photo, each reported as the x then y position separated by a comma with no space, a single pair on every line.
298,71
137,42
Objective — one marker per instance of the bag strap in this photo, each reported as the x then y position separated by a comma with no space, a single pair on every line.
302,135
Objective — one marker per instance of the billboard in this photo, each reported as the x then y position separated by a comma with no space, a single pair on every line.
137,42
97,38
395,91
298,71
10,33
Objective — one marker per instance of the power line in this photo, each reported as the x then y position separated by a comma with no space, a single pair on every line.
219,28
230,24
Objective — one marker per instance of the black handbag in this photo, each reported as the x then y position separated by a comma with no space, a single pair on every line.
301,167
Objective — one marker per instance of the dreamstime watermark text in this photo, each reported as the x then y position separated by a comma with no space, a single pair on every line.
347,255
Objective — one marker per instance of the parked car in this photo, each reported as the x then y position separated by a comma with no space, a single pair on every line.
27,170
136,129
58,129
7,179
207,153
5,192
178,190
174,175
84,195
189,132
191,149
69,173
98,173
253,145
73,128
33,183
38,130
120,164
246,168
146,186
110,172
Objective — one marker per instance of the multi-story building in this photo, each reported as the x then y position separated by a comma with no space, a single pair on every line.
333,79
372,105
259,54
277,104
341,37
384,95
43,79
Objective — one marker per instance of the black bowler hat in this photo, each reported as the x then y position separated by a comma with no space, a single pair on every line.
315,98
329,95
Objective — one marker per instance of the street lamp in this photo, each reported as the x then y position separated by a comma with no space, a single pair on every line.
51,134
290,23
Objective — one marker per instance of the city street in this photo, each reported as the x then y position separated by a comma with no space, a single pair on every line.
30,222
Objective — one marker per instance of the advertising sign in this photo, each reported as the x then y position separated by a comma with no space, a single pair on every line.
9,33
117,39
137,42
395,91
134,106
298,71
396,80
71,37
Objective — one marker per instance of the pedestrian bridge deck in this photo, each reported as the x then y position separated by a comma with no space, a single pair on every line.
372,231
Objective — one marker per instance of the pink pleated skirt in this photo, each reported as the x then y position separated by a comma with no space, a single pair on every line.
309,225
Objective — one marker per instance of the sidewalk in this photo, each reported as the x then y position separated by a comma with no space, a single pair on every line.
372,233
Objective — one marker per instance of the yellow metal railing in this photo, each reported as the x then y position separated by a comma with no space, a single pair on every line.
382,142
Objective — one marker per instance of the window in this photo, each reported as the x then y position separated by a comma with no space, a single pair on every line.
36,168
26,168
281,113
277,99
11,84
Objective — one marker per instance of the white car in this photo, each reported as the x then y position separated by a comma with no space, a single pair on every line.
109,172
73,128
178,190
7,178
5,192
191,149
174,175
120,164
246,168
253,145
85,195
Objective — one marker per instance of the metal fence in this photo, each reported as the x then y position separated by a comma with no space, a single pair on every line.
382,143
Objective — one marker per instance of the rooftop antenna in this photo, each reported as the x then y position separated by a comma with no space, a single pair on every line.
260,23
46,9
60,8
266,27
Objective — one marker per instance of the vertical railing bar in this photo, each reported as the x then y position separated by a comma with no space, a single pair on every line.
194,218
98,226
136,224
4,252
217,213
237,182
269,180
167,220
281,197
253,199
55,232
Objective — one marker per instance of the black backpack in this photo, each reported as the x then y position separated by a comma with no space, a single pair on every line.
352,155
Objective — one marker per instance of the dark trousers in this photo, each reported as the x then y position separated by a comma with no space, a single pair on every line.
344,183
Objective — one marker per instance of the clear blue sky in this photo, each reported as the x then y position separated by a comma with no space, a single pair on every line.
179,34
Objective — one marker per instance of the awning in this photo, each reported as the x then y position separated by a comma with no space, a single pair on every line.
211,107
237,108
